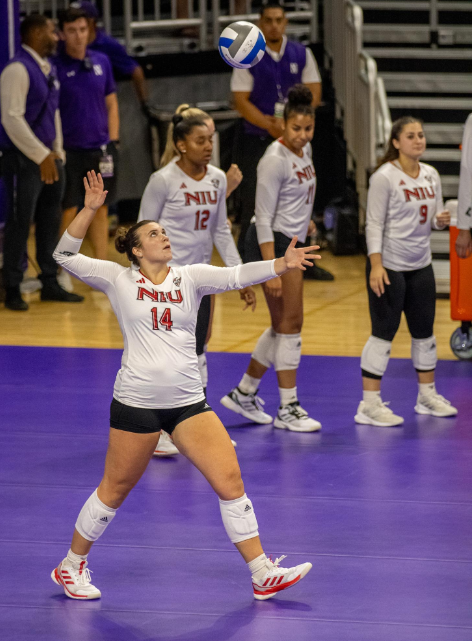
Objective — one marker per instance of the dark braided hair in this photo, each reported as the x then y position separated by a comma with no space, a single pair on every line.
126,239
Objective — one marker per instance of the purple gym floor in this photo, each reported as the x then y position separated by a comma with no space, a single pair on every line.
384,515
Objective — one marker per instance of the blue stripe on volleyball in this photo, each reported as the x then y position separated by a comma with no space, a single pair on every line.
225,42
259,46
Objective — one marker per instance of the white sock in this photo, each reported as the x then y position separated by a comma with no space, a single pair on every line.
370,396
258,567
249,384
288,395
76,559
426,389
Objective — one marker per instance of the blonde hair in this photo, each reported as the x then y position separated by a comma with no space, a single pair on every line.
185,111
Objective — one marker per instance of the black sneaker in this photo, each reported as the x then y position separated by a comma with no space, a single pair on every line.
317,273
14,301
53,291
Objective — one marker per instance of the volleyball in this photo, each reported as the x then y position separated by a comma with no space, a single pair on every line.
242,45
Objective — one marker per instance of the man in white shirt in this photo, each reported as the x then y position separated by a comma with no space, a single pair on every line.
260,93
31,143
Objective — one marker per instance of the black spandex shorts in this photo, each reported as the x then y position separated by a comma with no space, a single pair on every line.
78,163
147,421
412,292
252,252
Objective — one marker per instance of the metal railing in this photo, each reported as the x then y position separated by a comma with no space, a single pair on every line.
360,93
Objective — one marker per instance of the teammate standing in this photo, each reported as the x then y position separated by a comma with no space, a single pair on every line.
404,203
285,192
188,197
159,387
464,208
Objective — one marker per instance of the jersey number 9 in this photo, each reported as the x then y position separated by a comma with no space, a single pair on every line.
423,214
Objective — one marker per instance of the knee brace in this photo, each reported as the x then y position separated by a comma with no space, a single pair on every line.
202,368
375,355
424,353
288,351
94,518
239,519
264,351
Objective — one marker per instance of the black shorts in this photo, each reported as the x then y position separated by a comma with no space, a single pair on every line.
78,163
147,421
412,292
252,252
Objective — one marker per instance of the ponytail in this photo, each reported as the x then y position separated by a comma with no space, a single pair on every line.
392,152
185,112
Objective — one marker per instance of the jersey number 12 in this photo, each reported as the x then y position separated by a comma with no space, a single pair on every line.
165,319
201,218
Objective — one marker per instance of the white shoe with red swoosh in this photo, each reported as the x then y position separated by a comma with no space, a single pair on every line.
76,582
277,579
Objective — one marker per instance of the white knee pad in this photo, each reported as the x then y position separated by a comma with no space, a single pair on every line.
239,519
288,351
375,355
203,369
264,351
424,353
94,518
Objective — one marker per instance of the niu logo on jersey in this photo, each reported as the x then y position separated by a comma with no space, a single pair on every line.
307,173
419,193
160,297
201,198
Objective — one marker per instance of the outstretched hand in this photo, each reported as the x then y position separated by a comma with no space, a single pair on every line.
95,193
300,258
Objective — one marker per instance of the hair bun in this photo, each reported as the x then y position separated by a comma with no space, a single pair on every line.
299,95
121,240
176,118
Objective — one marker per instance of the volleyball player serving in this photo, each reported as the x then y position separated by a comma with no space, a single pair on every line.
188,197
159,386
404,203
285,193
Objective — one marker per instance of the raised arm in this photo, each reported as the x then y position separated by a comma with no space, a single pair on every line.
213,280
100,274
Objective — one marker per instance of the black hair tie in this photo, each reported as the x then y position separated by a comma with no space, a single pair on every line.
176,118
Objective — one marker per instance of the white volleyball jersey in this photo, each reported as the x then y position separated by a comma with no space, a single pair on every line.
192,212
285,193
159,367
464,208
400,213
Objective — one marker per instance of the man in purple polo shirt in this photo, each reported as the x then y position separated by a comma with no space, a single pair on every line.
31,142
90,122
260,93
123,65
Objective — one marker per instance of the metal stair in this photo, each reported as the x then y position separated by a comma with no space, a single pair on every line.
423,52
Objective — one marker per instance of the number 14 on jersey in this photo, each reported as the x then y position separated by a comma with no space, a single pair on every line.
165,320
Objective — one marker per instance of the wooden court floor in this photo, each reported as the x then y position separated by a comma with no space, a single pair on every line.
336,317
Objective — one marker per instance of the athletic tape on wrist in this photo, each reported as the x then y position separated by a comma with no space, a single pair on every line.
94,518
239,519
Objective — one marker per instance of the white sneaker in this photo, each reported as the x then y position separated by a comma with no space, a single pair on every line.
435,405
233,443
65,281
277,579
294,418
376,413
30,285
76,583
165,446
248,405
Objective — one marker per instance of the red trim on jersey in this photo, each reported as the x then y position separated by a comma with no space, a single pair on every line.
392,162
168,270
292,152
